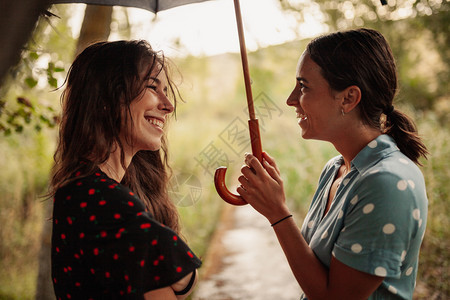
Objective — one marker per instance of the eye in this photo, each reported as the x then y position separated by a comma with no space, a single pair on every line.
153,87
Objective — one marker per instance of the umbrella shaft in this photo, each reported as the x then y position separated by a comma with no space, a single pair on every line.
248,87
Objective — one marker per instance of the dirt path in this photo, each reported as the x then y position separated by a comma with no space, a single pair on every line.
245,261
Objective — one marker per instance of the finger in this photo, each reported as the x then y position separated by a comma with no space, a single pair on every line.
274,173
243,181
242,192
253,163
271,161
247,171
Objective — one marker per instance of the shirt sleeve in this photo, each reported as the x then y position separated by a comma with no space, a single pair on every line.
380,221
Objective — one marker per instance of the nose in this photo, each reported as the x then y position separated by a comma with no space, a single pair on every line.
165,104
294,97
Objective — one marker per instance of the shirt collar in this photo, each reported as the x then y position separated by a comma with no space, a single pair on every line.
374,152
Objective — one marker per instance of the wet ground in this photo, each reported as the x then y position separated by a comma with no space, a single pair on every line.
246,262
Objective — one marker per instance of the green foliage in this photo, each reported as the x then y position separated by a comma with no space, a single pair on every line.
41,69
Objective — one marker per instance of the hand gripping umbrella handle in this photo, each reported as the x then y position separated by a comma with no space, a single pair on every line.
253,126
219,176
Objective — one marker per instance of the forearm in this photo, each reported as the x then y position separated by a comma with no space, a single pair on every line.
165,293
310,273
185,285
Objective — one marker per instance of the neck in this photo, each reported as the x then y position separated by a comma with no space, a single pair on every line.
353,141
113,166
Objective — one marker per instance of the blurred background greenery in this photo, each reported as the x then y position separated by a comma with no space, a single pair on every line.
214,107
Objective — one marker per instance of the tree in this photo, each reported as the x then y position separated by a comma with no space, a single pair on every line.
17,21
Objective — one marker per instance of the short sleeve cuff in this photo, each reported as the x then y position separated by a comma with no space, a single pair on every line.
381,263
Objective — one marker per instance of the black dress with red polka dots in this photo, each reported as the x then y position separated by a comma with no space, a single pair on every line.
105,245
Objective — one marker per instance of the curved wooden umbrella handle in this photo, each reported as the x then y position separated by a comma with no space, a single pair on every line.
222,190
219,176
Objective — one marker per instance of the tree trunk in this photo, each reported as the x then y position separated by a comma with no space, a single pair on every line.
17,21
96,27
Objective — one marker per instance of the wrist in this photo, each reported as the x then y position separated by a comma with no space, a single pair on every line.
282,213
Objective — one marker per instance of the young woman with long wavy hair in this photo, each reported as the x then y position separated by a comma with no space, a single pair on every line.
115,230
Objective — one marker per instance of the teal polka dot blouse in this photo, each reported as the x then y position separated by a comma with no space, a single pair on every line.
377,219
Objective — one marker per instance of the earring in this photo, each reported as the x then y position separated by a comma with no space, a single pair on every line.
342,111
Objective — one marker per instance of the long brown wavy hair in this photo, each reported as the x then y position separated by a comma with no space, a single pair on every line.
101,84
362,57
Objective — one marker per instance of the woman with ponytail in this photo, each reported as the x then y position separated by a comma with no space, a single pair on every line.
363,231
115,230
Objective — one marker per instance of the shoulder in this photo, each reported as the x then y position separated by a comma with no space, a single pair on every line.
396,172
97,191
394,184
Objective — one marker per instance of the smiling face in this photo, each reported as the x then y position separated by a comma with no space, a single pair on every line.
316,104
149,113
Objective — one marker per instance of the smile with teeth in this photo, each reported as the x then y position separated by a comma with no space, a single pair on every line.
302,116
155,122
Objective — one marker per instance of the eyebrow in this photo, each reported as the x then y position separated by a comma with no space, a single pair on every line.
302,79
155,80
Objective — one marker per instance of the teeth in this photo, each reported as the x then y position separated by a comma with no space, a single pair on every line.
301,116
155,122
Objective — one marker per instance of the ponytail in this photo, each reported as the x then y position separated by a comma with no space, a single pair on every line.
403,130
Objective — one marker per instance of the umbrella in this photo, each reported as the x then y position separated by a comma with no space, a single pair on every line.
155,6
151,5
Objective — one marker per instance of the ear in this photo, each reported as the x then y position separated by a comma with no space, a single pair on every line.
350,98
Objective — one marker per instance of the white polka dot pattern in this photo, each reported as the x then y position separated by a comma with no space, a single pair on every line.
402,185
373,144
380,271
389,228
368,208
403,256
356,248
403,161
392,289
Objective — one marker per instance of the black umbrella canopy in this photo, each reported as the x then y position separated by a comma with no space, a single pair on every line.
151,5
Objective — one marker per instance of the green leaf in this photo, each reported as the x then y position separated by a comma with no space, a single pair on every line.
33,55
58,70
53,82
31,82
19,128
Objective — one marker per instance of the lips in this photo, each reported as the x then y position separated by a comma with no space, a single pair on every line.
155,121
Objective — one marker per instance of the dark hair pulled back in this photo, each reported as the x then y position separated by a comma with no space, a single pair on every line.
363,58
